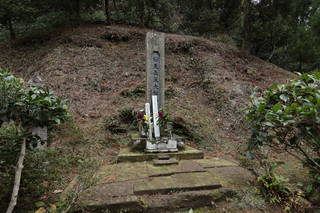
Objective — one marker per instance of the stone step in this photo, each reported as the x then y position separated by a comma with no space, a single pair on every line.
185,200
188,153
176,182
169,161
163,157
158,202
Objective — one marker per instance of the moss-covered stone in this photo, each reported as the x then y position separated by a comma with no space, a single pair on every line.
126,154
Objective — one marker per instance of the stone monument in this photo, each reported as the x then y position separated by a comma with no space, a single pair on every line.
40,138
158,138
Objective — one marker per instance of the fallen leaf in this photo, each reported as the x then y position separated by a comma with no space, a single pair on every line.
41,210
53,208
57,191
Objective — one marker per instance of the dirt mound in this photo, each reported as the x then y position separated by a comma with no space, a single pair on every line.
208,81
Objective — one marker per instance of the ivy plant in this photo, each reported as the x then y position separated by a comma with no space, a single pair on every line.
287,117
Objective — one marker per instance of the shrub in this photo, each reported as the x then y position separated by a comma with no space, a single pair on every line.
287,117
24,108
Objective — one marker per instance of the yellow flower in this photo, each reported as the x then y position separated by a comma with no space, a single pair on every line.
145,117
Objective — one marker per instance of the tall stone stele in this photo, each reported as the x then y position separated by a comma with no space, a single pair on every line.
155,67
156,141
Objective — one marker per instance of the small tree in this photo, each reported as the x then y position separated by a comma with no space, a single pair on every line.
287,118
12,12
27,107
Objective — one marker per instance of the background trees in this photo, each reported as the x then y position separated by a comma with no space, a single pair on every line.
283,32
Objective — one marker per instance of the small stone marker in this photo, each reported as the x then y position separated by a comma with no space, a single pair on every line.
42,133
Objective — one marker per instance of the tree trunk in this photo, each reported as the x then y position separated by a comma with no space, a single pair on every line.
11,29
114,4
300,65
107,12
17,178
142,13
77,8
244,46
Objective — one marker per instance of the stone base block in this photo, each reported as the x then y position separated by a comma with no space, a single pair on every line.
188,153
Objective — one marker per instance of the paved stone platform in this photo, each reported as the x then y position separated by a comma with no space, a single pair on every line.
187,154
141,186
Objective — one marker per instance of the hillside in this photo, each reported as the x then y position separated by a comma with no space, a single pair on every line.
98,68
90,67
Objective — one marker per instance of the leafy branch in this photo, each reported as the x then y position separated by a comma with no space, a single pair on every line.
287,116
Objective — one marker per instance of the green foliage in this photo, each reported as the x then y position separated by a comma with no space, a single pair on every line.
136,92
30,107
127,115
276,189
24,108
10,91
38,106
285,33
9,147
248,197
164,120
287,117
273,186
92,17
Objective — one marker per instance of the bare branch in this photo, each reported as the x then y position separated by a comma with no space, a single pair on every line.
17,178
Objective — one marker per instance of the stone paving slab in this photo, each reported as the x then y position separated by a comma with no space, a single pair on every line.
110,190
215,162
177,182
190,166
122,172
141,186
185,200
234,177
124,202
184,166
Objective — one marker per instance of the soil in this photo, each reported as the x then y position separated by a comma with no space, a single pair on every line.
84,66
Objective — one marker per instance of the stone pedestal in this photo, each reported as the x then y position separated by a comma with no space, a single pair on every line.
163,145
40,142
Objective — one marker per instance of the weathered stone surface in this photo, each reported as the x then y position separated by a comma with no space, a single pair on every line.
176,182
190,166
143,187
185,166
232,177
185,200
170,161
122,172
155,67
215,162
163,157
111,203
188,153
117,189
